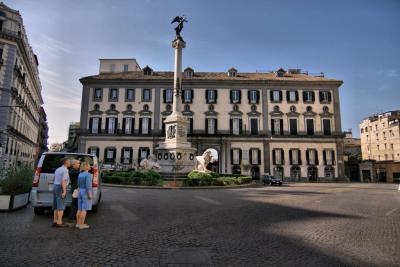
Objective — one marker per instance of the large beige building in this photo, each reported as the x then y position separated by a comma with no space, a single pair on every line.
20,92
380,137
285,123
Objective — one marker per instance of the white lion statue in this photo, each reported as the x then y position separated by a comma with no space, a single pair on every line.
150,163
203,160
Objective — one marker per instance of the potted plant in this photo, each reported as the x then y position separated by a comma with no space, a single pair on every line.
15,188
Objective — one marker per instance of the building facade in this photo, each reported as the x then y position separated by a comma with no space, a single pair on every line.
285,123
71,144
20,92
352,156
43,133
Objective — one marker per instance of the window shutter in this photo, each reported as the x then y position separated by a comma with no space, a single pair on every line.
316,157
107,122
147,152
308,156
329,96
90,125
231,96
287,96
207,96
88,150
313,96
273,157
272,127
240,156
149,126
216,95
133,126
240,126
281,125
299,157
290,157
165,95
105,154
320,97
297,95
231,125
216,126
258,96
183,96
324,156
99,129
232,156
123,125
280,96
240,96
259,156
130,155
248,96
283,156
206,125
116,126
191,96
304,96
139,152
114,153
271,95
140,125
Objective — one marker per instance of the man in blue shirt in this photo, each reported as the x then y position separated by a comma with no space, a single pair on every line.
61,181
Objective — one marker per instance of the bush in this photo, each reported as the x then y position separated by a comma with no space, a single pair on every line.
218,181
246,179
18,180
133,178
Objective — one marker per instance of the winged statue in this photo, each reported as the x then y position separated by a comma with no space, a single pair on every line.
180,21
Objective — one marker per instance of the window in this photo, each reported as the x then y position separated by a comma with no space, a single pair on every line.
130,94
98,93
211,126
236,156
146,95
391,146
236,126
145,125
292,96
278,157
325,109
126,67
255,156
293,126
308,96
276,96
144,153
310,126
96,107
235,96
326,123
277,126
109,155
325,96
111,125
328,157
187,96
254,126
128,125
168,96
94,125
253,96
112,67
294,157
113,94
292,109
126,155
312,157
211,96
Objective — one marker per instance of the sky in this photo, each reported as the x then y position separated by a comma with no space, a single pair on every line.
354,41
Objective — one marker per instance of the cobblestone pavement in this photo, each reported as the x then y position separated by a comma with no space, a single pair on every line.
294,225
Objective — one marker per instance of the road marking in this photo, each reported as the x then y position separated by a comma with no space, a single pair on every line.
126,214
208,200
390,212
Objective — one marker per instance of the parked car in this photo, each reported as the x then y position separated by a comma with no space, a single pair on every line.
271,180
41,196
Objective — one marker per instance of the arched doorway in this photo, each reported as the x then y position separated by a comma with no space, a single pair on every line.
295,173
312,173
329,172
214,164
278,172
255,172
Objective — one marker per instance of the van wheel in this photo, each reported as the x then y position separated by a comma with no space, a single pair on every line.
38,211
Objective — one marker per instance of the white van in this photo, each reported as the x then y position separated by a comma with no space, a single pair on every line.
42,187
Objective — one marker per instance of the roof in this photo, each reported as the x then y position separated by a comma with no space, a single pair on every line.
216,76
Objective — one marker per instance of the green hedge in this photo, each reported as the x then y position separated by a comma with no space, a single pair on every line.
197,178
133,177
18,180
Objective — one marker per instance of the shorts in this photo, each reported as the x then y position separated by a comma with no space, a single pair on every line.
58,201
84,203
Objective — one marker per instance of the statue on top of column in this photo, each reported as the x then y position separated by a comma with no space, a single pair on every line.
178,29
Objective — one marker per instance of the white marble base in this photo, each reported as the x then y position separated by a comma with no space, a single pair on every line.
176,161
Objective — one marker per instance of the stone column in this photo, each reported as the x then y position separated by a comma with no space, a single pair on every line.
178,44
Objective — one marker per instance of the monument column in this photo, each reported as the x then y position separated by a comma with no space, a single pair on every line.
178,44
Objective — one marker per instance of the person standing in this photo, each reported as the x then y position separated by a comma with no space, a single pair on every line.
61,181
73,175
85,195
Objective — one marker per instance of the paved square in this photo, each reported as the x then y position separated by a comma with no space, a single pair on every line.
295,225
